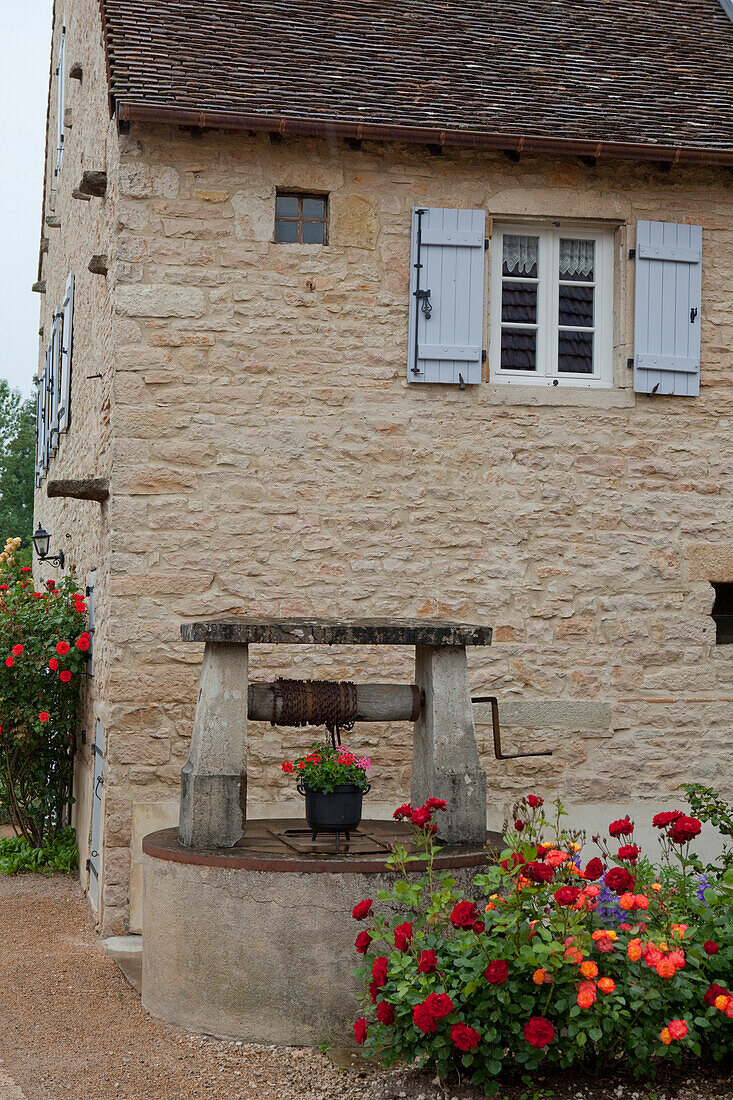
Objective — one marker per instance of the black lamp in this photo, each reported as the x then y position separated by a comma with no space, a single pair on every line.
42,543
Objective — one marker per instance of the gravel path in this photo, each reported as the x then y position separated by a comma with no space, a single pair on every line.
71,1028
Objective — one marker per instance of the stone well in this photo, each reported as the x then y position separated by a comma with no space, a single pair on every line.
247,929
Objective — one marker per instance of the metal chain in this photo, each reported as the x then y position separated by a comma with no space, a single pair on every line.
329,703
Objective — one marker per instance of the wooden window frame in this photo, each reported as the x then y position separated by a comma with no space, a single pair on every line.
547,373
299,220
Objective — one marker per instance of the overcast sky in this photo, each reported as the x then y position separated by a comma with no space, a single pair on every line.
25,46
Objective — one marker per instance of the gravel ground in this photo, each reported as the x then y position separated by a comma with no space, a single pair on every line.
71,1028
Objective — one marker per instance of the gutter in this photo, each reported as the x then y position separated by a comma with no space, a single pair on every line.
467,139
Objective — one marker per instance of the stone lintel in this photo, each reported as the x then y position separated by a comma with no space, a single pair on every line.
307,631
547,713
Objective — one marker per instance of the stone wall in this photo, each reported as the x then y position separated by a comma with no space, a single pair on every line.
81,528
269,456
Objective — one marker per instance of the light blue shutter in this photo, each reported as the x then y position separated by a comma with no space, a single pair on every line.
53,384
64,381
61,99
40,424
667,308
95,847
90,628
446,325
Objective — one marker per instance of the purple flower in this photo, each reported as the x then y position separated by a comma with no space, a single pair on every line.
702,887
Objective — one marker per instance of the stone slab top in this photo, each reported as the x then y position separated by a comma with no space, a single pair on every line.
305,631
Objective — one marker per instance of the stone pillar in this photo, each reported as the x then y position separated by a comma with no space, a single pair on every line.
445,762
214,778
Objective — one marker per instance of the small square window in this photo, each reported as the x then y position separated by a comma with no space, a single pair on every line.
300,219
723,614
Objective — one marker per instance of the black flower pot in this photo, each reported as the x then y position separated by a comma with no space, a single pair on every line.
338,812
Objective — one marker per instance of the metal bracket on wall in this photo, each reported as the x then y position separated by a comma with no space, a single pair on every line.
492,699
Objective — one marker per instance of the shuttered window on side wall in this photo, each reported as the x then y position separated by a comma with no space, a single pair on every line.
446,313
668,303
65,355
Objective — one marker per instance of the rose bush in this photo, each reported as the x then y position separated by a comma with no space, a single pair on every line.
41,665
551,961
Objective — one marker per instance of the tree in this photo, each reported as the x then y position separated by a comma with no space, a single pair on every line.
17,463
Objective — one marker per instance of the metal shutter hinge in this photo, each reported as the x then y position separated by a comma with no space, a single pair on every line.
632,253
630,364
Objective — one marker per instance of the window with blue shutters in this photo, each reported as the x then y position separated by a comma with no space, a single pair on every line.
63,416
667,305
446,316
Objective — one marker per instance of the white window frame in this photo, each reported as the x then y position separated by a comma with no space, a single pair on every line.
547,373
60,100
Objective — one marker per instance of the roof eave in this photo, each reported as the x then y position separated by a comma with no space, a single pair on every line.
472,139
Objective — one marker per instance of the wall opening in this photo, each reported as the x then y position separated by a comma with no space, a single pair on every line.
722,613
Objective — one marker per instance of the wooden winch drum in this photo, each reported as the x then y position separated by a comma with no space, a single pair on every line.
374,703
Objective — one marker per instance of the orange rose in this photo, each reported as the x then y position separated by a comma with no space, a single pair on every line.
665,969
677,958
586,999
626,901
606,985
677,1028
665,1036
656,887
641,901
634,950
680,929
538,977
721,1003
555,857
589,969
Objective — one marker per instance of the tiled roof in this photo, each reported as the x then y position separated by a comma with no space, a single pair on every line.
636,72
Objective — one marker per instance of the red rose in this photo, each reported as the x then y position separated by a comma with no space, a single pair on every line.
662,820
629,852
594,868
379,971
25,568
464,1037
65,676
420,816
4,587
362,909
385,1013
10,661
512,861
437,804
622,827
438,1005
479,927
403,936
373,991
538,1031
684,829
17,650
463,915
62,648
542,850
402,811
362,942
540,872
497,972
82,642
714,990
360,1030
427,962
619,880
53,665
43,716
424,1020
710,947
519,825
567,895
534,801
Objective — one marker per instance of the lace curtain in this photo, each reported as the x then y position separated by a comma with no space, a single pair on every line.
520,254
576,258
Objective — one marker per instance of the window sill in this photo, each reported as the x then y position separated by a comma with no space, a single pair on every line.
594,397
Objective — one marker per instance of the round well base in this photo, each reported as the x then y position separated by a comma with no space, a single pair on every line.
256,942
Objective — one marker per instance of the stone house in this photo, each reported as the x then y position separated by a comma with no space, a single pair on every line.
530,429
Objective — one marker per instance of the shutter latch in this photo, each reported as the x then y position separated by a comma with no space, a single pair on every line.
424,297
693,315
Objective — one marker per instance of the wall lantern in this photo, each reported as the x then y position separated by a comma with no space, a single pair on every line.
42,543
